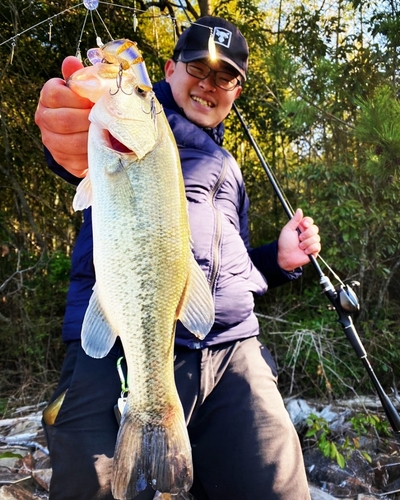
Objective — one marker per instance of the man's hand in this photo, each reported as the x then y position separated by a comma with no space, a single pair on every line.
62,117
294,248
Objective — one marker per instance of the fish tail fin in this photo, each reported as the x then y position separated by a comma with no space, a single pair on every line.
155,455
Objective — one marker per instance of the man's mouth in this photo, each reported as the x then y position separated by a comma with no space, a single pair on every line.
201,101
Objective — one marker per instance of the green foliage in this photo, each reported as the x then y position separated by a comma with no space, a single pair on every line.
59,268
379,129
341,448
3,405
363,424
329,118
9,454
319,428
322,103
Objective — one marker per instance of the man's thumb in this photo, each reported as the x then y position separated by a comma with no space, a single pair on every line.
296,219
69,66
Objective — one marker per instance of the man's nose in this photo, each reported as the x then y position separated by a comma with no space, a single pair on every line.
208,83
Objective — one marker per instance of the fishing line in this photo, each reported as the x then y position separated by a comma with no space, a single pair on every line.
91,5
78,48
278,189
155,34
134,21
104,24
185,11
13,38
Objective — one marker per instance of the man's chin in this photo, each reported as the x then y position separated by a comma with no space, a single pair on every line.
202,121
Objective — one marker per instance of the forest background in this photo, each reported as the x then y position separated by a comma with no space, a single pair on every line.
322,102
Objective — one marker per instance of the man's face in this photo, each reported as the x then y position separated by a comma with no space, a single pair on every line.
202,101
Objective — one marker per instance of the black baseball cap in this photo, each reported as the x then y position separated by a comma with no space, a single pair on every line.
230,43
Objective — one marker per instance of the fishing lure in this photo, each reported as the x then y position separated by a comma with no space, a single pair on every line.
124,53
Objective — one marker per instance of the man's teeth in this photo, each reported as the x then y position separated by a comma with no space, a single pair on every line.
202,102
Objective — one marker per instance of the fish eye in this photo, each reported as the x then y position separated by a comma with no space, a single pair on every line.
140,91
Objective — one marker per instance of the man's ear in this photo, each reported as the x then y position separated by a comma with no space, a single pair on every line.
238,91
169,69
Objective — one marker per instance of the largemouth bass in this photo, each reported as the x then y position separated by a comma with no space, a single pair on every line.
146,275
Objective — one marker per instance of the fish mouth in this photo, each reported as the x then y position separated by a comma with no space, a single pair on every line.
118,146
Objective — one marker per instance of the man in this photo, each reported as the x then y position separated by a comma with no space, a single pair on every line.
244,445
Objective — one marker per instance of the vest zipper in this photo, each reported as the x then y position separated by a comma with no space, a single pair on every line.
216,243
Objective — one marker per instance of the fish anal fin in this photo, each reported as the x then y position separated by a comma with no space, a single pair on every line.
97,336
196,310
153,455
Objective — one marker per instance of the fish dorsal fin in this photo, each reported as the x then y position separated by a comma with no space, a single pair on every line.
83,195
97,335
197,307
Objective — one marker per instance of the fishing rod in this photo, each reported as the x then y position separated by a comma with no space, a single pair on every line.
342,298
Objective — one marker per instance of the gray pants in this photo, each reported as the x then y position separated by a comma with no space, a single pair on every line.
244,444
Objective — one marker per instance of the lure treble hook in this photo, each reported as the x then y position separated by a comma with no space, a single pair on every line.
118,79
153,109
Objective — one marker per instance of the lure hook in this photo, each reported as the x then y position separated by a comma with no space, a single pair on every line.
119,82
153,109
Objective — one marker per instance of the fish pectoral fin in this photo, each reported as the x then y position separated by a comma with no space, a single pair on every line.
97,335
83,195
197,310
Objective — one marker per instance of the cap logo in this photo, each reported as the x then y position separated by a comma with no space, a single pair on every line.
222,36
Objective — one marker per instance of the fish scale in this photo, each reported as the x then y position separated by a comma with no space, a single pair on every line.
146,275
